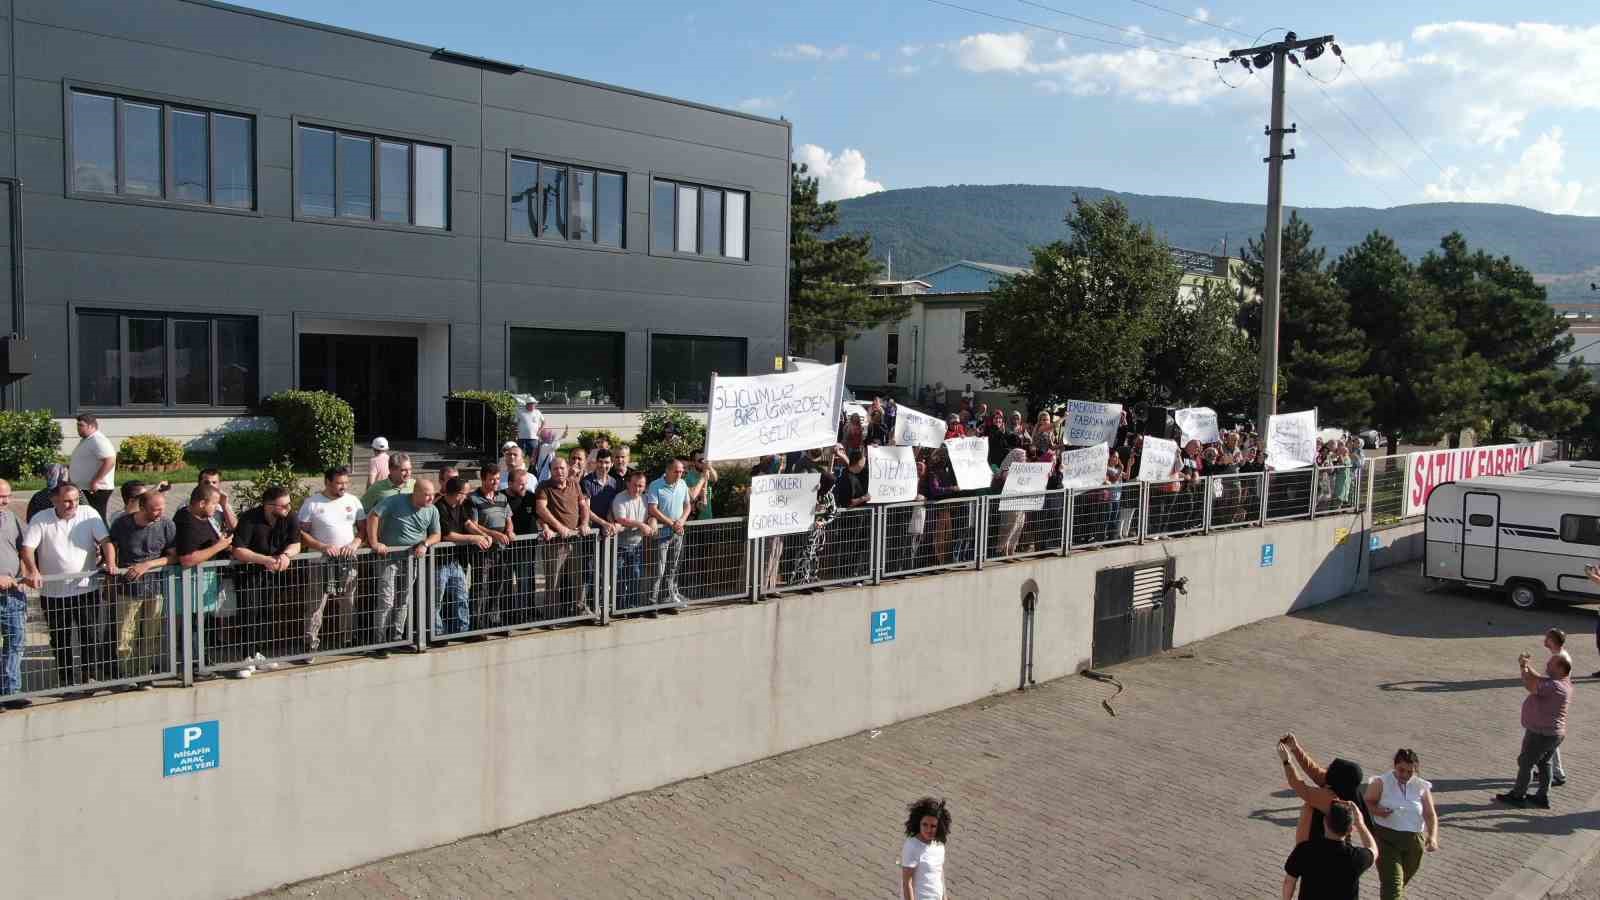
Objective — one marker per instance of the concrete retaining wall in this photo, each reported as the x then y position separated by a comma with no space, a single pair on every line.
338,764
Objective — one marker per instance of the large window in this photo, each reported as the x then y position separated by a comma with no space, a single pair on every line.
346,175
681,366
1580,529
567,368
704,221
561,202
160,151
891,358
165,360
969,327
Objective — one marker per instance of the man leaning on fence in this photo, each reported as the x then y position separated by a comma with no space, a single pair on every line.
143,543
669,500
564,512
489,512
328,525
525,564
400,531
398,482
265,545
452,611
630,512
13,602
67,539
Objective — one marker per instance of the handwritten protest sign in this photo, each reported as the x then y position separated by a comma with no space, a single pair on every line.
1156,458
781,504
969,457
1025,478
1084,468
1092,423
914,429
1291,440
891,474
779,413
1198,423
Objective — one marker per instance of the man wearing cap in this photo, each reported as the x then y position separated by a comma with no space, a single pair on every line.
378,466
529,421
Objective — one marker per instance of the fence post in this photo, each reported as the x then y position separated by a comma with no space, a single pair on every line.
1067,507
1369,469
420,571
1262,513
1207,484
1313,503
606,587
980,533
879,536
189,606
752,552
1144,510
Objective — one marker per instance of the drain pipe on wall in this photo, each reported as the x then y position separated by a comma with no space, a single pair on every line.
1030,603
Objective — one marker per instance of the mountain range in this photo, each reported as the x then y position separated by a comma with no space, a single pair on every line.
925,228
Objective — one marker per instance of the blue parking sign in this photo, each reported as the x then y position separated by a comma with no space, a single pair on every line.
1269,554
882,625
186,749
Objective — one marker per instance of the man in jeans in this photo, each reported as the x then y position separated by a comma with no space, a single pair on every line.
328,523
453,613
13,602
399,526
143,543
669,500
524,523
1544,723
489,513
564,512
630,512
68,538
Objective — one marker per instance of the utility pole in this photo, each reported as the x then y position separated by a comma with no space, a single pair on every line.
1275,55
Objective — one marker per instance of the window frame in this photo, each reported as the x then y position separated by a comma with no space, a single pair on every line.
587,327
169,316
378,137
650,359
1561,531
167,102
700,186
596,169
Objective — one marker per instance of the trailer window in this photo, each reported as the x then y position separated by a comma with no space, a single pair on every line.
1580,529
1480,520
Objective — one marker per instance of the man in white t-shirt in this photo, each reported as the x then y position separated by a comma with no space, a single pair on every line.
66,539
529,421
328,523
93,467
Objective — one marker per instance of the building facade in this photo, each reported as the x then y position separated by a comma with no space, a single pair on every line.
219,203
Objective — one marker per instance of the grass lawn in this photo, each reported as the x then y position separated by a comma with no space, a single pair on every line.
193,462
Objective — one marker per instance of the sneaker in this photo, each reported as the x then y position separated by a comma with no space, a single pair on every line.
1558,781
265,665
1514,800
1541,801
680,599
302,662
144,686
245,672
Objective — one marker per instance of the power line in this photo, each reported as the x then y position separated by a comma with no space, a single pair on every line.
1124,29
1357,126
1062,31
1195,19
1396,120
1335,151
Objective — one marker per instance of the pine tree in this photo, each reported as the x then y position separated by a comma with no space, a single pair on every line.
1321,354
830,280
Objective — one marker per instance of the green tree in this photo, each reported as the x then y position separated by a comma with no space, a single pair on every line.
830,280
1200,355
1503,316
1320,355
1081,322
1423,383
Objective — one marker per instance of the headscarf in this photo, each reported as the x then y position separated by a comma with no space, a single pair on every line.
1015,455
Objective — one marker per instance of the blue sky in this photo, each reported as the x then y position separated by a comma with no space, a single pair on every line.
906,93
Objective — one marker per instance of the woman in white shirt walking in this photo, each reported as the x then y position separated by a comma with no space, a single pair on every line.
922,856
1404,822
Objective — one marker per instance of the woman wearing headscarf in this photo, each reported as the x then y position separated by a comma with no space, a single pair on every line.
1341,780
1010,523
827,508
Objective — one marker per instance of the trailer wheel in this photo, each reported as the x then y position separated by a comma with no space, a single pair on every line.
1525,595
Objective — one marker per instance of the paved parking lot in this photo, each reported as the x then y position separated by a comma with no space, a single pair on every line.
1178,795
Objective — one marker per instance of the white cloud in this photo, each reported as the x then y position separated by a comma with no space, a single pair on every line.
990,52
906,70
909,49
811,53
757,104
1535,179
838,177
1203,14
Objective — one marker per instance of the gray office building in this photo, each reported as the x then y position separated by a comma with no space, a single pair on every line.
218,203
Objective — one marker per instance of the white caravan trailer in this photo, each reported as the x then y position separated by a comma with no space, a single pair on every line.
1566,469
1531,537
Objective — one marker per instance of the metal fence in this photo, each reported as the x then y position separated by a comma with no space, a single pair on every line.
839,551
1289,494
1107,515
1024,525
1174,508
930,536
1233,501
710,561
528,583
1386,476
102,632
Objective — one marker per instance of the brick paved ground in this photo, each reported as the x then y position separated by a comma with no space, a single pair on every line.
1179,795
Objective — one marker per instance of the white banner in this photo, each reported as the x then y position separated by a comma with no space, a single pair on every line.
781,504
1198,423
1092,423
1025,478
1292,440
1084,468
762,414
914,429
1431,468
1156,457
969,457
891,474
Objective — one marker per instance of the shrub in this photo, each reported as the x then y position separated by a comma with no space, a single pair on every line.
248,448
29,441
149,450
504,404
278,473
588,437
317,428
730,496
665,432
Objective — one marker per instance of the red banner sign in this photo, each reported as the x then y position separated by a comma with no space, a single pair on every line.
1431,468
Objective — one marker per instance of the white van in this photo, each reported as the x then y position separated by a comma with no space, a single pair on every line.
1567,469
1531,537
